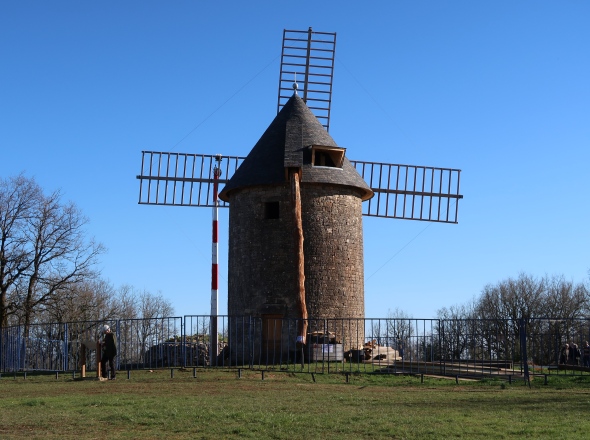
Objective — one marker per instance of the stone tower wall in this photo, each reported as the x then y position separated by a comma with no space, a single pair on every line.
262,271
334,265
261,275
333,244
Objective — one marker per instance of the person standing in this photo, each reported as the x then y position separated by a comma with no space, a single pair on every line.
576,354
109,351
565,354
586,355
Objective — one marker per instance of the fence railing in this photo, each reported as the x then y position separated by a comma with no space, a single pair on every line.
457,347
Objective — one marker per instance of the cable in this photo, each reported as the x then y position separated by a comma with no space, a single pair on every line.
209,116
401,249
378,103
411,142
225,102
454,202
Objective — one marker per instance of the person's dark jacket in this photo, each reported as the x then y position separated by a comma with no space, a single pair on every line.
110,346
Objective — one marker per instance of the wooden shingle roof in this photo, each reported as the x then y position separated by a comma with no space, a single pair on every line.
286,143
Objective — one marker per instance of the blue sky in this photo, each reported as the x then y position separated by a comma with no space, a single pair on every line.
498,89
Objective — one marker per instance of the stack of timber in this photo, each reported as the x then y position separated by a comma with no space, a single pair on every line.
372,352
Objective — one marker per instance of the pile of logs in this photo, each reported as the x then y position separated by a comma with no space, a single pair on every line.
171,354
373,352
198,354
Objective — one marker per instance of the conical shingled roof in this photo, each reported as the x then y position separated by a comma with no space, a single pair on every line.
287,143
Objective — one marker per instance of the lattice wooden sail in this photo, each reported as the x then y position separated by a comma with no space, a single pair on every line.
401,191
307,57
180,179
411,192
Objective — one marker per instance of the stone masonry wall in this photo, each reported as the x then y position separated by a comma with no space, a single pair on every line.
261,275
333,230
262,272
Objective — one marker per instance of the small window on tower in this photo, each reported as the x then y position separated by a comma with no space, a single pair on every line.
327,156
271,210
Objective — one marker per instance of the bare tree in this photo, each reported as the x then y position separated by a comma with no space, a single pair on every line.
131,303
145,320
18,198
59,254
153,311
126,302
154,305
567,310
565,299
528,297
457,331
400,331
89,300
513,298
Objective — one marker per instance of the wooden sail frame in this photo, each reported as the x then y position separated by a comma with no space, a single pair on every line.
406,192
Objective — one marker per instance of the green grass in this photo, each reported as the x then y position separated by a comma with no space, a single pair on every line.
218,405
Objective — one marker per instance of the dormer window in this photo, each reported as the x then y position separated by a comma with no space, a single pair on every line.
322,156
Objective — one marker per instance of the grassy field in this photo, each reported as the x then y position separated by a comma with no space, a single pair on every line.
218,405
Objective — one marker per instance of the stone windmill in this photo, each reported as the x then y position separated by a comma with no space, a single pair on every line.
296,204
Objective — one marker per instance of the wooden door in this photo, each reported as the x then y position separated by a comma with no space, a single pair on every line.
272,329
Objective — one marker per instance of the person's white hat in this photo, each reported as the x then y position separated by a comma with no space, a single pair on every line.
106,329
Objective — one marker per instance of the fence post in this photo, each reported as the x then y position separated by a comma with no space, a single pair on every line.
82,360
65,363
118,336
251,342
183,340
523,350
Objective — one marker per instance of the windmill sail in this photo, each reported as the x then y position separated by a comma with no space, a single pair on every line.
307,57
181,179
411,192
401,191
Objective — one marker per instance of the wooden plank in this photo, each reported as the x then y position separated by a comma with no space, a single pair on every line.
298,235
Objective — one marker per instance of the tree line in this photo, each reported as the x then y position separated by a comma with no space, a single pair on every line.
49,264
526,296
546,311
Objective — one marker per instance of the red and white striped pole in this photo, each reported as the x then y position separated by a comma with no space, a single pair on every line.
215,268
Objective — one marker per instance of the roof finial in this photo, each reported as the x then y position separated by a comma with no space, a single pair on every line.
295,85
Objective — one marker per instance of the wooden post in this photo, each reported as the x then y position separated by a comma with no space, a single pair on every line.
298,233
83,360
98,360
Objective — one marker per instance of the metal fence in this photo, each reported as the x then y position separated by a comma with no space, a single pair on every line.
454,347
